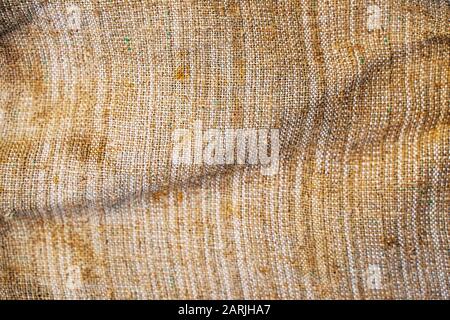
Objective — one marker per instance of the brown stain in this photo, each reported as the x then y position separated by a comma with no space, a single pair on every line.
86,258
391,242
233,8
264,270
230,211
17,283
438,133
81,248
334,269
240,70
79,146
182,73
16,151
356,49
41,116
106,115
20,73
269,34
18,276
83,148
183,53
129,85
38,85
237,112
160,195
100,149
180,196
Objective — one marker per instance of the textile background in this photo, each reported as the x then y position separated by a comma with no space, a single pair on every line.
93,207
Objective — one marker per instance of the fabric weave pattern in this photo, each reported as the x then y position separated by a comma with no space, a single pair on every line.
93,207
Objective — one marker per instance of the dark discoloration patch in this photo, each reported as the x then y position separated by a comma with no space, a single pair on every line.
17,151
65,237
391,242
79,147
42,116
84,252
21,286
160,195
180,196
18,14
240,70
17,279
182,73
84,147
18,68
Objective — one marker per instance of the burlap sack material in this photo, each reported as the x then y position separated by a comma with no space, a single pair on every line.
92,206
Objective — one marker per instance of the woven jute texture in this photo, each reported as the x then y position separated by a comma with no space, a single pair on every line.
92,205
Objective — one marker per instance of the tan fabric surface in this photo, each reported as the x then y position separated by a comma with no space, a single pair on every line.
93,207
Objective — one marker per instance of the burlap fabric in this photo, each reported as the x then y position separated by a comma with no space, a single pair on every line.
93,207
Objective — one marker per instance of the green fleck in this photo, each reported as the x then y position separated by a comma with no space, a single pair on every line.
127,41
172,281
